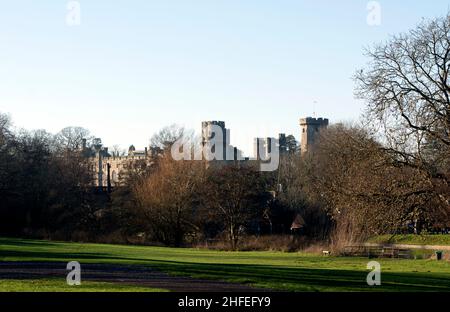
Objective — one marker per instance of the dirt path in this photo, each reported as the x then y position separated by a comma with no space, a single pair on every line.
125,274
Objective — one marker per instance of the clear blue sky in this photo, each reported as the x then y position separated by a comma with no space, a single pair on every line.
132,66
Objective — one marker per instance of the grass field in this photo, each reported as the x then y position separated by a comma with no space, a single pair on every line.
60,285
411,239
275,270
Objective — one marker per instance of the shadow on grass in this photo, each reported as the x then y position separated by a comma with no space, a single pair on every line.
29,243
269,276
33,255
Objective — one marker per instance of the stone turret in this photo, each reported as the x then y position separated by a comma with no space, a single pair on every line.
310,128
215,131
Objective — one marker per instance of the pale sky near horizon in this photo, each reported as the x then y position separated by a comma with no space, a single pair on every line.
133,67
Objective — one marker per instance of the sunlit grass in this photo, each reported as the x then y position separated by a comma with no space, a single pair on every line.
275,270
411,239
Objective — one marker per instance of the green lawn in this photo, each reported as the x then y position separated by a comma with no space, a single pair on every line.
411,239
276,270
60,285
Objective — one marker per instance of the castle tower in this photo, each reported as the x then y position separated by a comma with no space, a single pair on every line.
282,142
262,148
310,128
215,132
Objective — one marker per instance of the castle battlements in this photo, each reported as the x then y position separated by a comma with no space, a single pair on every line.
123,158
310,128
213,122
109,167
314,121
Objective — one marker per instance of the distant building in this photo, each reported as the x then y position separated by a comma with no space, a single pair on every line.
109,168
133,152
216,139
262,147
310,128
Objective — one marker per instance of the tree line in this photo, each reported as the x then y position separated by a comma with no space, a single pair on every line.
387,174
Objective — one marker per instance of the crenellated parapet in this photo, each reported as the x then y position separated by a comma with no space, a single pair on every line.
310,128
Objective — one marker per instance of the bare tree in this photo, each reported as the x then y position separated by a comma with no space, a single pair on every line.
168,199
5,124
73,138
9,168
117,151
406,86
234,196
292,197
363,191
165,137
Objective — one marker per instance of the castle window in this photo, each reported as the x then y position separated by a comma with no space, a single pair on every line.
303,130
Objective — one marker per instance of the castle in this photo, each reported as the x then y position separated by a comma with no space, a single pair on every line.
108,168
310,127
